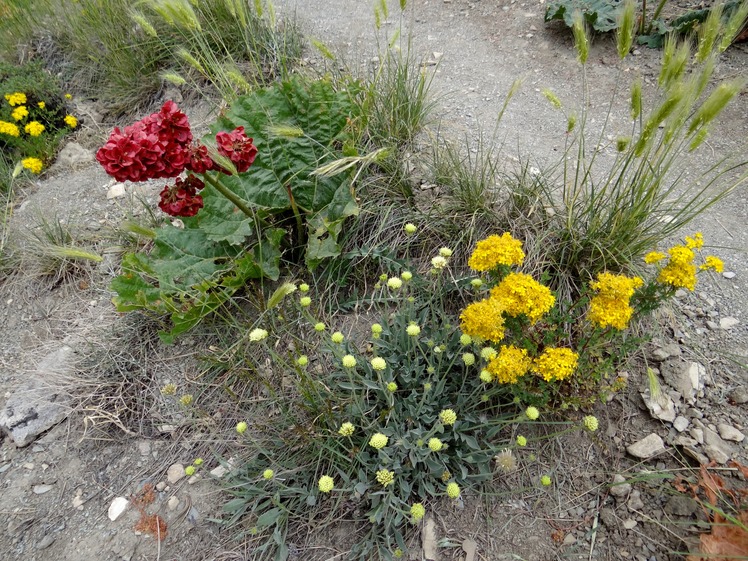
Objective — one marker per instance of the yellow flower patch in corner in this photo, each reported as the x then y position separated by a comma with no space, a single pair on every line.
34,165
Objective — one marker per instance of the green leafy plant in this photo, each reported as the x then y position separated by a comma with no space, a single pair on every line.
602,15
298,189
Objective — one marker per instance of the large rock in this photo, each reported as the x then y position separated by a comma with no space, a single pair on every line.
74,155
687,378
35,406
646,447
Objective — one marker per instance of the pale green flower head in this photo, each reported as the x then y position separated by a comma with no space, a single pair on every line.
445,252
590,423
268,474
417,512
241,427
378,363
304,287
465,339
435,444
488,353
476,283
378,441
326,484
349,361
257,334
346,429
406,276
392,387
532,413
413,330
337,337
453,490
448,417
438,262
302,361
319,327
545,481
305,301
189,470
394,283
410,229
468,359
521,441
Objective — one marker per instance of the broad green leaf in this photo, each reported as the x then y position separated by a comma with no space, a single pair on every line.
602,15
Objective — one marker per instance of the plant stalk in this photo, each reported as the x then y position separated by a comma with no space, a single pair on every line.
221,188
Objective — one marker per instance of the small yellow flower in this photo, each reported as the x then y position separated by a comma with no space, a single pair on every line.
448,417
186,399
71,121
398,553
378,441
445,252
305,301
520,294
545,481
169,389
712,263
438,262
468,359
476,283
257,334
41,105
302,361
505,460
532,413
378,363
695,242
485,376
435,444
376,329
319,327
654,257
268,474
34,128
189,470
394,283
346,429
417,512
337,337
11,129
453,490
410,229
590,423
34,165
20,113
326,484
17,98
509,365
68,96
392,387
198,462
555,363
406,276
495,251
304,287
413,330
385,477
349,361
483,319
521,441
241,427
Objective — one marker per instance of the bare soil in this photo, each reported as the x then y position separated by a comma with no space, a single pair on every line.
56,491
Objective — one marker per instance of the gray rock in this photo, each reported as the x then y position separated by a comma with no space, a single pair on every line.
666,351
716,454
35,407
608,517
662,408
74,155
697,434
635,501
696,455
680,423
687,378
716,448
728,323
728,275
728,432
175,473
739,395
45,542
680,505
646,447
712,325
619,487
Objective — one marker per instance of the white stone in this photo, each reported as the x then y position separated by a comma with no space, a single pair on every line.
662,408
173,503
118,506
680,423
728,275
41,489
78,502
728,432
219,471
728,323
620,488
646,447
175,473
629,524
115,191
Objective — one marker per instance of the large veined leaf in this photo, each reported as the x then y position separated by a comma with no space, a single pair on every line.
602,15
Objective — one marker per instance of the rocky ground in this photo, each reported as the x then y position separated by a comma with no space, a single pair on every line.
615,495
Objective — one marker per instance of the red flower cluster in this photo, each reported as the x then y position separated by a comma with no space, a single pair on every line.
182,199
237,147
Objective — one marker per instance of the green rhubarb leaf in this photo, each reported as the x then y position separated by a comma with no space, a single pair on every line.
602,15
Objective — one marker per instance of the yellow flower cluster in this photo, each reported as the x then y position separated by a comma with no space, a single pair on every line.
695,242
71,121
680,272
9,129
483,319
34,165
509,365
495,251
20,113
17,98
610,306
34,128
520,294
654,257
555,363
712,263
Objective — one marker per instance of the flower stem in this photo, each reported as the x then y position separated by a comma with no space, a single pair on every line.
221,188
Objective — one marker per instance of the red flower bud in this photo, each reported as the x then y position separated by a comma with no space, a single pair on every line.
237,147
182,199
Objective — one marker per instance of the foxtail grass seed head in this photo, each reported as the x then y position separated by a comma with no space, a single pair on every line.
378,363
392,387
377,18
241,427
448,417
394,283
552,98
349,361
326,484
636,99
385,477
521,441
505,461
590,423
468,359
435,444
337,337
302,361
257,334
319,327
378,441
268,474
625,32
305,301
406,276
453,490
413,330
545,481
346,429
532,413
280,293
715,103
323,50
189,471
571,122
676,64
655,390
622,142
708,32
733,26
304,287
410,228
417,512
581,41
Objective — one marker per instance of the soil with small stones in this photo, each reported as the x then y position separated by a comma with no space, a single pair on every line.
57,490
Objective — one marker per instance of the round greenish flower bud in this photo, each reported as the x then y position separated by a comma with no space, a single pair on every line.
304,287
590,423
406,276
394,283
484,397
268,474
465,339
427,387
186,399
376,328
453,490
392,387
488,353
532,413
411,299
468,359
346,429
485,376
385,477
398,553
417,512
521,441
378,441
435,444
337,337
445,252
349,361
326,484
410,229
448,417
198,462
378,363
476,283
189,470
545,481
305,301
383,277
241,427
257,334
302,361
413,330
319,327
438,262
